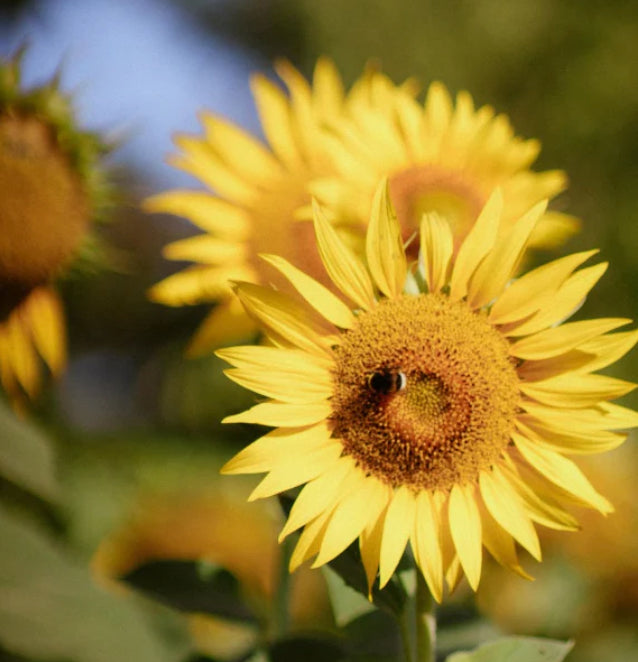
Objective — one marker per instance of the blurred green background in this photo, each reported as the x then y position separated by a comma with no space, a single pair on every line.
133,421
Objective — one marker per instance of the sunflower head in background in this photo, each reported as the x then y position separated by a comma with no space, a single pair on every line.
336,146
50,188
434,404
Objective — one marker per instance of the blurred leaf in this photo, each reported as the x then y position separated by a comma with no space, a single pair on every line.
308,649
373,637
26,456
192,586
517,649
347,604
51,609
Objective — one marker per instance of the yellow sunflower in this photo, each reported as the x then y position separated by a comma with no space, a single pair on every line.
334,145
49,188
436,405
437,157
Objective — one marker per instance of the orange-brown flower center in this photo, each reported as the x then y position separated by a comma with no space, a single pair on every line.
428,188
425,392
43,208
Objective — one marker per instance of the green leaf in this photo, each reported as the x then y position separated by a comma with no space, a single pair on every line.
192,586
517,649
26,456
50,608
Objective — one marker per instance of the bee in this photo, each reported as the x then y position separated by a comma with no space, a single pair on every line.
387,381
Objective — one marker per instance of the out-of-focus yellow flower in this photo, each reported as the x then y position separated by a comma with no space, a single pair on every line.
49,189
336,146
436,407
218,526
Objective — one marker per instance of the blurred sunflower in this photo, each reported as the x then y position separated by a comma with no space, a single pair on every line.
217,526
441,410
334,145
49,189
437,157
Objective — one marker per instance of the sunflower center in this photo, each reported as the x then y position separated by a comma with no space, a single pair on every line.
43,209
425,392
428,188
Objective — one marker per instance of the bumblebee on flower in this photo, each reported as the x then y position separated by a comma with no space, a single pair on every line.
434,405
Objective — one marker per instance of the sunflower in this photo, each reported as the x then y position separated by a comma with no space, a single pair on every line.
49,189
437,157
334,145
259,192
434,405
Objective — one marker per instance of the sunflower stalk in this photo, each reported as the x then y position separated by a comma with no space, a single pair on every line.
282,595
425,622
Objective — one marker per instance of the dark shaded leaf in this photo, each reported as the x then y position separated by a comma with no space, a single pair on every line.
192,586
307,648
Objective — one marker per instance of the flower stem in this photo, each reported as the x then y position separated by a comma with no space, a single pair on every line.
425,621
280,612
406,632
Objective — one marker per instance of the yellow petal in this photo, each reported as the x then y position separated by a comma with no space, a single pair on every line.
309,540
195,285
529,293
327,88
608,349
370,547
275,116
208,212
564,303
298,469
280,414
561,339
399,524
505,507
617,417
436,250
282,315
320,494
345,270
542,509
384,245
199,159
569,441
349,517
276,447
21,355
318,296
256,163
491,276
562,472
465,527
46,319
206,250
476,246
576,390
500,544
426,543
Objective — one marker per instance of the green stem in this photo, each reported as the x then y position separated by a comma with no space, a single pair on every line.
405,630
282,591
425,621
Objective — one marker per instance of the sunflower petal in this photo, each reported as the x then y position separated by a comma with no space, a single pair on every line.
399,524
530,292
560,339
384,245
465,527
491,276
345,270
436,250
283,414
562,472
478,243
318,296
426,543
505,507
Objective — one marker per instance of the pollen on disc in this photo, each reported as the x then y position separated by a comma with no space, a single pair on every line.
456,410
